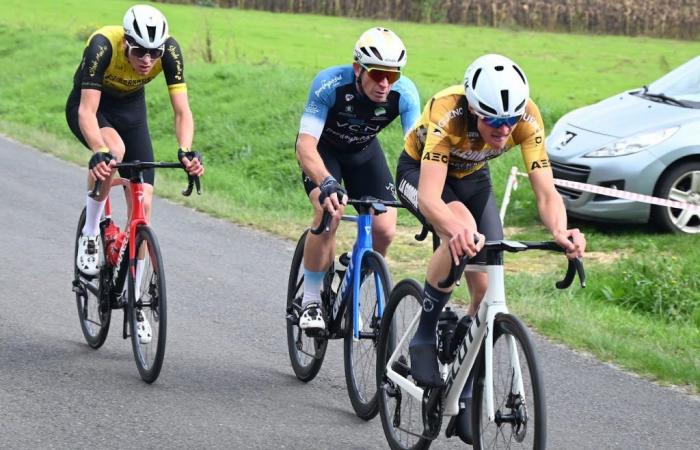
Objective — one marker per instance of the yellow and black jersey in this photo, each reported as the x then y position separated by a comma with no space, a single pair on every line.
105,66
446,133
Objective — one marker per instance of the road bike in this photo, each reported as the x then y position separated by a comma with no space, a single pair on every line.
353,298
132,257
508,404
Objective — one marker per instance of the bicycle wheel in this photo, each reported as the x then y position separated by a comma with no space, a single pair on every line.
91,297
401,414
360,355
305,352
520,416
147,304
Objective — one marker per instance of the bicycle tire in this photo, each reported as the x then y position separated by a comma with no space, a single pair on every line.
360,356
404,303
520,433
151,303
94,311
305,353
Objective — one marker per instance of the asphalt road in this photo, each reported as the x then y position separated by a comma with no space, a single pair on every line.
226,381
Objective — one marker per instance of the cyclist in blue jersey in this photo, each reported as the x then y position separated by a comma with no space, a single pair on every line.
346,108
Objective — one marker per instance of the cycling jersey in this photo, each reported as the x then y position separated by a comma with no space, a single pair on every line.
447,134
105,66
337,114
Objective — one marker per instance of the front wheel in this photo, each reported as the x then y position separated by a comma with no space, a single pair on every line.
682,183
520,412
91,296
361,352
305,352
401,414
147,306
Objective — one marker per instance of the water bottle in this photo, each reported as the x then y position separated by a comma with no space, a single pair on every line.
447,322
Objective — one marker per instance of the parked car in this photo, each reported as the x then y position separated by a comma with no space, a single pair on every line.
644,140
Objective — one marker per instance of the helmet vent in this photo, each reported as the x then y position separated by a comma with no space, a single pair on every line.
521,105
487,108
522,77
498,68
151,33
504,99
136,29
475,77
376,53
401,56
364,50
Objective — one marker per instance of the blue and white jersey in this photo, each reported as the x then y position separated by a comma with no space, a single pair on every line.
340,116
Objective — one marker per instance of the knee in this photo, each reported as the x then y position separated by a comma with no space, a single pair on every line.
383,235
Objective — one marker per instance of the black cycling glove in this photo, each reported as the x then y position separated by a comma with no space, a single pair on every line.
98,157
328,186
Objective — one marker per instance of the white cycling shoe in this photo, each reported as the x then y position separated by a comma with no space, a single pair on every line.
311,318
143,328
88,258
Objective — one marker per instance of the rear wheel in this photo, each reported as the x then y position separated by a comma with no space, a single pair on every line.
148,306
520,415
401,414
682,183
305,352
361,353
91,296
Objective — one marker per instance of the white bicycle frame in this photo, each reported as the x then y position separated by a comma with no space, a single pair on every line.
480,329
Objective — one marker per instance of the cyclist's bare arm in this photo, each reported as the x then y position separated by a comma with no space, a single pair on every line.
553,213
460,235
309,159
90,129
184,130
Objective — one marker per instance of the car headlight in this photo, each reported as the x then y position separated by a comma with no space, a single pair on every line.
633,144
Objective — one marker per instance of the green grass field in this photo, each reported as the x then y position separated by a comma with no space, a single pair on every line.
247,105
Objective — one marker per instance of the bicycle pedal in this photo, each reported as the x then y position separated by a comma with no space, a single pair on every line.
292,319
317,333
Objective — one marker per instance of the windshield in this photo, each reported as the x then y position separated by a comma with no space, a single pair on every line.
682,83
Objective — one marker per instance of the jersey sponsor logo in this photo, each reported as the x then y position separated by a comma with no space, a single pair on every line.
172,50
541,164
437,132
349,97
312,108
348,109
360,127
333,82
391,188
449,115
127,82
476,155
437,157
380,111
102,49
350,140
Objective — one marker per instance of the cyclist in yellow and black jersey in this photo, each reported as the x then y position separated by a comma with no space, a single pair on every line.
106,110
443,179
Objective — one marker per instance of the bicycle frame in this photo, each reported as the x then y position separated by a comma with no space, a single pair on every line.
362,245
480,329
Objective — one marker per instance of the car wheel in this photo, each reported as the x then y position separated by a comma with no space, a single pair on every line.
681,183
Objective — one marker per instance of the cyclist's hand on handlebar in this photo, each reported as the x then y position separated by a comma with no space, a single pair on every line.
465,241
102,164
572,241
332,196
192,161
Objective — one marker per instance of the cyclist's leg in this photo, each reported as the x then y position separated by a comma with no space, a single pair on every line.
319,250
372,177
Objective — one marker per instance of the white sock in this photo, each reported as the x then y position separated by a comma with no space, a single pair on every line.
312,287
93,213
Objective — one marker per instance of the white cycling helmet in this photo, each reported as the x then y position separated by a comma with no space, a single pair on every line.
496,87
381,47
146,26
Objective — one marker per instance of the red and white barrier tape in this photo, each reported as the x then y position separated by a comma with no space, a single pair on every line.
512,183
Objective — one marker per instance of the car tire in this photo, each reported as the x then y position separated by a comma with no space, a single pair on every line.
680,183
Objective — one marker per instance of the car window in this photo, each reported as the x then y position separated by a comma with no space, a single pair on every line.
682,83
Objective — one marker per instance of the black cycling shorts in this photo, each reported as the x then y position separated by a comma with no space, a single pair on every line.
128,118
474,191
364,176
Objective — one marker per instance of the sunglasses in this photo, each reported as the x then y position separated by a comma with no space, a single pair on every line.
498,122
378,75
141,52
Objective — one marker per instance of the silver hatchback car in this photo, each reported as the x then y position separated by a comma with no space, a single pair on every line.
645,141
